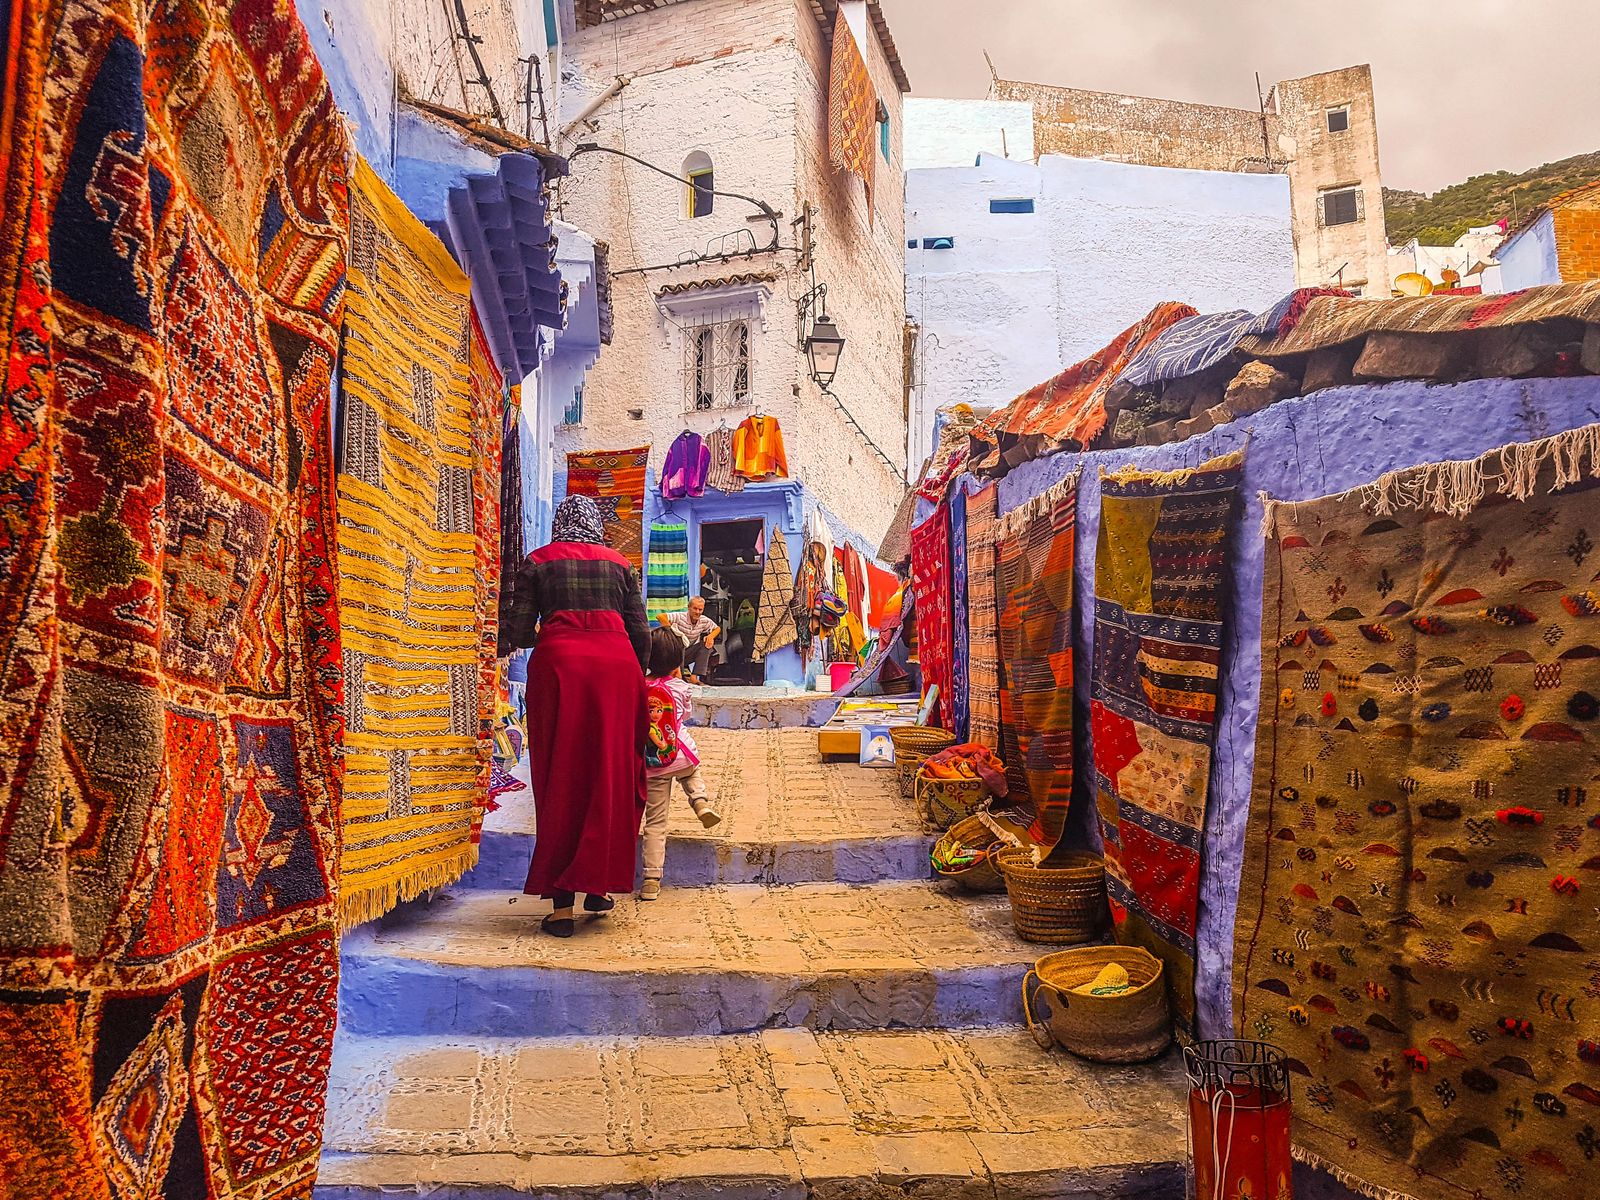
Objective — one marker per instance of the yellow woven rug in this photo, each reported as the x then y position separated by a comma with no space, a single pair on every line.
407,551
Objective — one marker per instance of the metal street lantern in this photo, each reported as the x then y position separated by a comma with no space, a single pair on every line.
824,344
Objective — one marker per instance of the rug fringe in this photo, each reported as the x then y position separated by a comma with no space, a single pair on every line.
368,904
1354,1182
1013,521
1173,478
1457,487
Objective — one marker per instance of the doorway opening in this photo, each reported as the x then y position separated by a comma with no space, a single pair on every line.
732,557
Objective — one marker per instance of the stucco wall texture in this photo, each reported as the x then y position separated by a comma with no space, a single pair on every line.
1291,135
1022,295
952,133
744,83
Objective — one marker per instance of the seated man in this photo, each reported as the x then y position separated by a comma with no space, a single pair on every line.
698,633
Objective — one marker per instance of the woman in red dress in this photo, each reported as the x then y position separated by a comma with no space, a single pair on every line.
579,605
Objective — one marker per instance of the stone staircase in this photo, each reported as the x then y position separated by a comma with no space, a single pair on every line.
802,1014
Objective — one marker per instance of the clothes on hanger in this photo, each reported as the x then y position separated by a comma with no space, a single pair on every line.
758,449
721,474
686,468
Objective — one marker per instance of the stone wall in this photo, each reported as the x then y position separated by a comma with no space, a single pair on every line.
745,84
1291,136
1355,254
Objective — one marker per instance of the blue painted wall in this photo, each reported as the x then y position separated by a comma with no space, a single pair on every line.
1295,450
352,49
1529,259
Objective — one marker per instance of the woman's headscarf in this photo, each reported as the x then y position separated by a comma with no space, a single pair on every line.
578,520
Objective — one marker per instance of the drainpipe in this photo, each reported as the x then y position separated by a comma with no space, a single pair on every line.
594,105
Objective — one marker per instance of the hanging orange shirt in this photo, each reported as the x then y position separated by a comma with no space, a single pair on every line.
758,449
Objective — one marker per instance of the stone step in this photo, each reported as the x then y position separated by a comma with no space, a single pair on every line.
698,960
979,1115
788,817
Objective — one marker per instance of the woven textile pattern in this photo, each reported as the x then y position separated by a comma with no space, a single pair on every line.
1333,320
1158,634
983,646
960,683
1416,922
172,242
775,627
1068,410
1033,597
615,478
411,562
487,389
720,474
852,109
666,584
512,549
930,584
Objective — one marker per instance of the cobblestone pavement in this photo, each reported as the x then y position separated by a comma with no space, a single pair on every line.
852,1035
770,786
966,1113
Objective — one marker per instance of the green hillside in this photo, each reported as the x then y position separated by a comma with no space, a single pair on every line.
1439,219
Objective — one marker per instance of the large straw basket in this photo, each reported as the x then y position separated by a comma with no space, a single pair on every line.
943,802
1131,1026
971,834
1061,904
912,744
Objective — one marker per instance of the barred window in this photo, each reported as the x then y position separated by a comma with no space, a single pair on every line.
716,365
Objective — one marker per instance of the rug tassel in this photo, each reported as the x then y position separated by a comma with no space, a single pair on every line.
368,904
1018,518
1459,486
1356,1184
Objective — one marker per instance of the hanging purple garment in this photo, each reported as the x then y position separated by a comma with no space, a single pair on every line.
688,463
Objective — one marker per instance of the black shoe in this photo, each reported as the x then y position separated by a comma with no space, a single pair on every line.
561,928
598,904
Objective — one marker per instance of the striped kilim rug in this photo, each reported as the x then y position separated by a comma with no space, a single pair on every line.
666,586
408,559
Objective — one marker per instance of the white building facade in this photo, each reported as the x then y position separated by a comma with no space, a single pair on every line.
1015,270
735,92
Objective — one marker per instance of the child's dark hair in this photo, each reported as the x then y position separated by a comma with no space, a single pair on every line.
666,652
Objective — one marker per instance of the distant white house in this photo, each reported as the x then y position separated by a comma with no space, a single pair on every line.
1470,262
1015,270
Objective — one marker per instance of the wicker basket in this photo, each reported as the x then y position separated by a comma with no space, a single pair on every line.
1062,904
1129,1027
943,802
972,834
912,744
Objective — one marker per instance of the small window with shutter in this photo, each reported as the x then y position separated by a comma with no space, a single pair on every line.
1340,206
1339,119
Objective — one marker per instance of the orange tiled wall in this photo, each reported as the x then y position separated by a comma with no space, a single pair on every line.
1578,239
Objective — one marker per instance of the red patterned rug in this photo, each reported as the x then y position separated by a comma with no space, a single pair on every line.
171,267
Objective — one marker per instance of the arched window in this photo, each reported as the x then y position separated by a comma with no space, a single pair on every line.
705,357
698,197
738,334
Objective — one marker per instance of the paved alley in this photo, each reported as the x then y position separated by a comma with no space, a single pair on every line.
803,1013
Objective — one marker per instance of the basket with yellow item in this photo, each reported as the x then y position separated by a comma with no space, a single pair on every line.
912,744
1061,903
1104,1003
966,852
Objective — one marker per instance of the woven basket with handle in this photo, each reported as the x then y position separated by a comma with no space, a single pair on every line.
1123,1027
943,802
912,744
1062,904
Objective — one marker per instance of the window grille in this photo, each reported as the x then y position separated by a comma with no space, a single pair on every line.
716,365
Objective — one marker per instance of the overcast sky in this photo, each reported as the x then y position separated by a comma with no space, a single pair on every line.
1463,86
